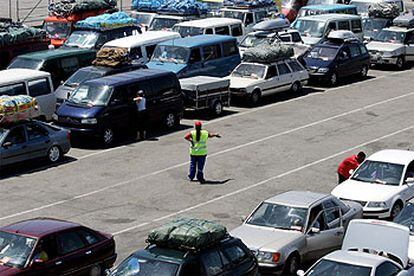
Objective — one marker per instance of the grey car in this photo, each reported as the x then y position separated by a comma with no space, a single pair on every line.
295,227
32,139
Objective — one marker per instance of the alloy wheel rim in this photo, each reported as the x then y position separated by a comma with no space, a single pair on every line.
364,71
170,120
293,265
54,154
333,79
108,136
396,210
218,108
295,87
399,62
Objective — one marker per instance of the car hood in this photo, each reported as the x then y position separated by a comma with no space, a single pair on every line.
309,40
167,66
236,82
361,191
257,237
78,111
383,46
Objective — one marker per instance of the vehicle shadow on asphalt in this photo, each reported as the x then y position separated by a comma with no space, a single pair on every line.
32,166
341,82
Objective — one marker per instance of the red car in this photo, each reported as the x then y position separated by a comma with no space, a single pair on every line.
45,246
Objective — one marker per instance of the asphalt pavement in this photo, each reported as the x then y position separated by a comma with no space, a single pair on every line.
290,142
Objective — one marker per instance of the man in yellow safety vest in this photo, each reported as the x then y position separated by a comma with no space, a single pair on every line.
198,150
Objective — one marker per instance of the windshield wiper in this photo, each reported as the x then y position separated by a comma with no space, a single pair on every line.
379,181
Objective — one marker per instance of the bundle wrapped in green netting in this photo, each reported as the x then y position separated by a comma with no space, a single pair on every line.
12,33
64,8
188,233
268,53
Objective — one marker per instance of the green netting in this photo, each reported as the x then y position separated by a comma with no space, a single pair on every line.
64,8
12,33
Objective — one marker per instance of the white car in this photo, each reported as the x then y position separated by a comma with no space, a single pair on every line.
406,218
254,80
382,184
370,248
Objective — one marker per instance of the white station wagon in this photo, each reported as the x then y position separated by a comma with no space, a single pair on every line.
254,80
382,184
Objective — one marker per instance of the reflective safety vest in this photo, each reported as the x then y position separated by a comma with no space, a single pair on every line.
199,148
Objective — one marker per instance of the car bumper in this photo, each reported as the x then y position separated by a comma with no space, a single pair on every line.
315,76
377,213
275,269
383,60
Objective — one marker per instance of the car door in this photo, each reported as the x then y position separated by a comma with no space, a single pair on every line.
410,46
333,220
118,114
271,82
231,57
41,89
356,58
46,252
285,76
14,148
38,140
407,185
211,61
195,64
344,62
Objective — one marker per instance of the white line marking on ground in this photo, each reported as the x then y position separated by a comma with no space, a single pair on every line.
116,185
261,182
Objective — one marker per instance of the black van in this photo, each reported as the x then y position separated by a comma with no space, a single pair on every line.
102,107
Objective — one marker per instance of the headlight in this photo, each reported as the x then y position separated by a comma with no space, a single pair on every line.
375,204
267,257
55,117
89,121
323,70
390,54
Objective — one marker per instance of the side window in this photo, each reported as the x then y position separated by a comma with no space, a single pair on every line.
316,218
135,53
209,31
260,15
236,30
283,69
343,25
230,48
344,54
356,26
332,213
295,66
286,38
195,55
69,242
35,131
387,269
363,49
410,171
332,26
248,19
410,38
343,206
271,72
13,89
16,136
212,263
69,65
150,50
296,37
89,236
224,30
38,87
235,254
211,52
46,249
355,50
191,268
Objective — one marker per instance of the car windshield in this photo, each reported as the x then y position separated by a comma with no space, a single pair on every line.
188,31
250,71
406,217
309,27
91,95
21,62
329,268
390,36
373,24
253,40
233,14
142,18
171,54
82,39
279,216
57,29
82,76
137,266
379,173
159,24
362,7
323,53
15,249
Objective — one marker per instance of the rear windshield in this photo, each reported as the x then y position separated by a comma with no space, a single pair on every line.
57,29
138,266
27,63
327,267
82,76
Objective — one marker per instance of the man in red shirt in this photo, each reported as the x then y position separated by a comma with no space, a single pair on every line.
349,163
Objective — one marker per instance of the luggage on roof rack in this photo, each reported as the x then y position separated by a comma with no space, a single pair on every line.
14,32
107,21
383,10
147,5
187,233
268,53
64,8
276,24
17,108
183,7
112,57
406,20
248,4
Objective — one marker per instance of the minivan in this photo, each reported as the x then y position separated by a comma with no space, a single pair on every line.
141,47
60,63
37,84
218,26
207,55
315,27
104,107
324,9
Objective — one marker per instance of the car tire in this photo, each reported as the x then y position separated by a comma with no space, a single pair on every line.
54,154
96,270
170,120
296,87
255,98
364,71
217,108
333,80
396,209
108,136
292,265
400,63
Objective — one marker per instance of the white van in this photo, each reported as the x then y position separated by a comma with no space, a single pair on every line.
250,16
315,27
142,46
37,84
363,5
214,25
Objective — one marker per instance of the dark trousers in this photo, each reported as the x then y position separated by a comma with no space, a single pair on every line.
197,164
341,178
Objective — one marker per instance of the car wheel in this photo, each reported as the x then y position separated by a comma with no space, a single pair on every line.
54,154
292,265
400,63
333,80
108,136
395,210
296,87
170,120
217,108
96,270
255,98
364,71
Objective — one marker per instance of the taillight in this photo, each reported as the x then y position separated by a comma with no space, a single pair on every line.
68,135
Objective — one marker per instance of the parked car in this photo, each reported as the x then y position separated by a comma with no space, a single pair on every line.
295,227
22,141
144,19
324,9
141,47
406,218
89,73
206,55
45,246
36,84
337,57
60,63
104,107
165,22
371,26
363,5
370,248
315,27
254,80
394,45
382,184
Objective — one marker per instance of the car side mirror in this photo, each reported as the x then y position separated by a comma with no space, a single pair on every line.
37,263
409,180
7,144
300,272
243,219
114,102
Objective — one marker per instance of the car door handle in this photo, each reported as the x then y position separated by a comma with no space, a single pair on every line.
88,252
58,263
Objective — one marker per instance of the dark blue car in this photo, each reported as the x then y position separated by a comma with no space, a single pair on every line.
335,58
